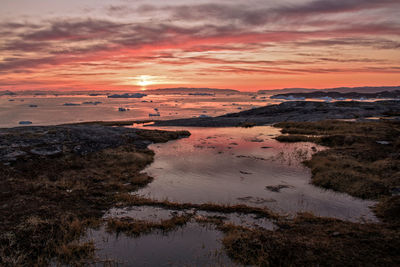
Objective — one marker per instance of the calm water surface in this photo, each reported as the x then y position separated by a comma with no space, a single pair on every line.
51,110
245,165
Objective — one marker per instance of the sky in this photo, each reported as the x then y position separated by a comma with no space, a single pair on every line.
245,45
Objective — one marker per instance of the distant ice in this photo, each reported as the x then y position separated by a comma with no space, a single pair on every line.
71,104
127,95
25,122
91,103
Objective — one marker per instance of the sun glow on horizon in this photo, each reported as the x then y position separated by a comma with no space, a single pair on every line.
144,81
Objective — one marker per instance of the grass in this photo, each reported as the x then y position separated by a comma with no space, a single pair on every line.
356,163
311,241
47,203
133,227
124,199
161,136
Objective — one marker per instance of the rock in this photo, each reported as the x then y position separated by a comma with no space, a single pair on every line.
46,151
127,95
383,142
297,111
277,188
14,155
71,104
95,103
25,122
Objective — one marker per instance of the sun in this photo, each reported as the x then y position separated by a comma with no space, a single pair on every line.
144,81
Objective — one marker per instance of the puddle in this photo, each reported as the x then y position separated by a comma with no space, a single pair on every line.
191,245
195,244
207,167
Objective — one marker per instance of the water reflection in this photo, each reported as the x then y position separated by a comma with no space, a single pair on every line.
247,166
191,245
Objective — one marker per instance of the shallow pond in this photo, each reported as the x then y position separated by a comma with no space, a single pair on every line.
246,166
226,166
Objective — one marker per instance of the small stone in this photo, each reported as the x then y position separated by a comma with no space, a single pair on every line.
383,142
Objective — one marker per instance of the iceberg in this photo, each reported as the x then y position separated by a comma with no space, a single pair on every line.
92,103
71,104
25,122
204,116
127,95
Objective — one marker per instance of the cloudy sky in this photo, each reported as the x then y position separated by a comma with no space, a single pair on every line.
246,45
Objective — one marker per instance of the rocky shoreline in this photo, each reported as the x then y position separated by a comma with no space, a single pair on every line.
340,95
298,111
30,142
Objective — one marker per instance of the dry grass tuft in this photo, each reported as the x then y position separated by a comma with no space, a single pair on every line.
313,241
134,227
125,199
356,163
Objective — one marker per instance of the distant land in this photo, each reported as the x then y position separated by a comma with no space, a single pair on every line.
187,90
178,90
54,92
338,95
196,91
293,111
364,89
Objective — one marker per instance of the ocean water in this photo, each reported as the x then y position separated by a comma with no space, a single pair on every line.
50,110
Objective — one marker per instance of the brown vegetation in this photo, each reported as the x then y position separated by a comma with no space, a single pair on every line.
132,200
247,124
358,163
312,241
47,202
135,227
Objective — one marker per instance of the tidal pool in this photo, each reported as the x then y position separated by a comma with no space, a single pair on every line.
225,166
245,165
